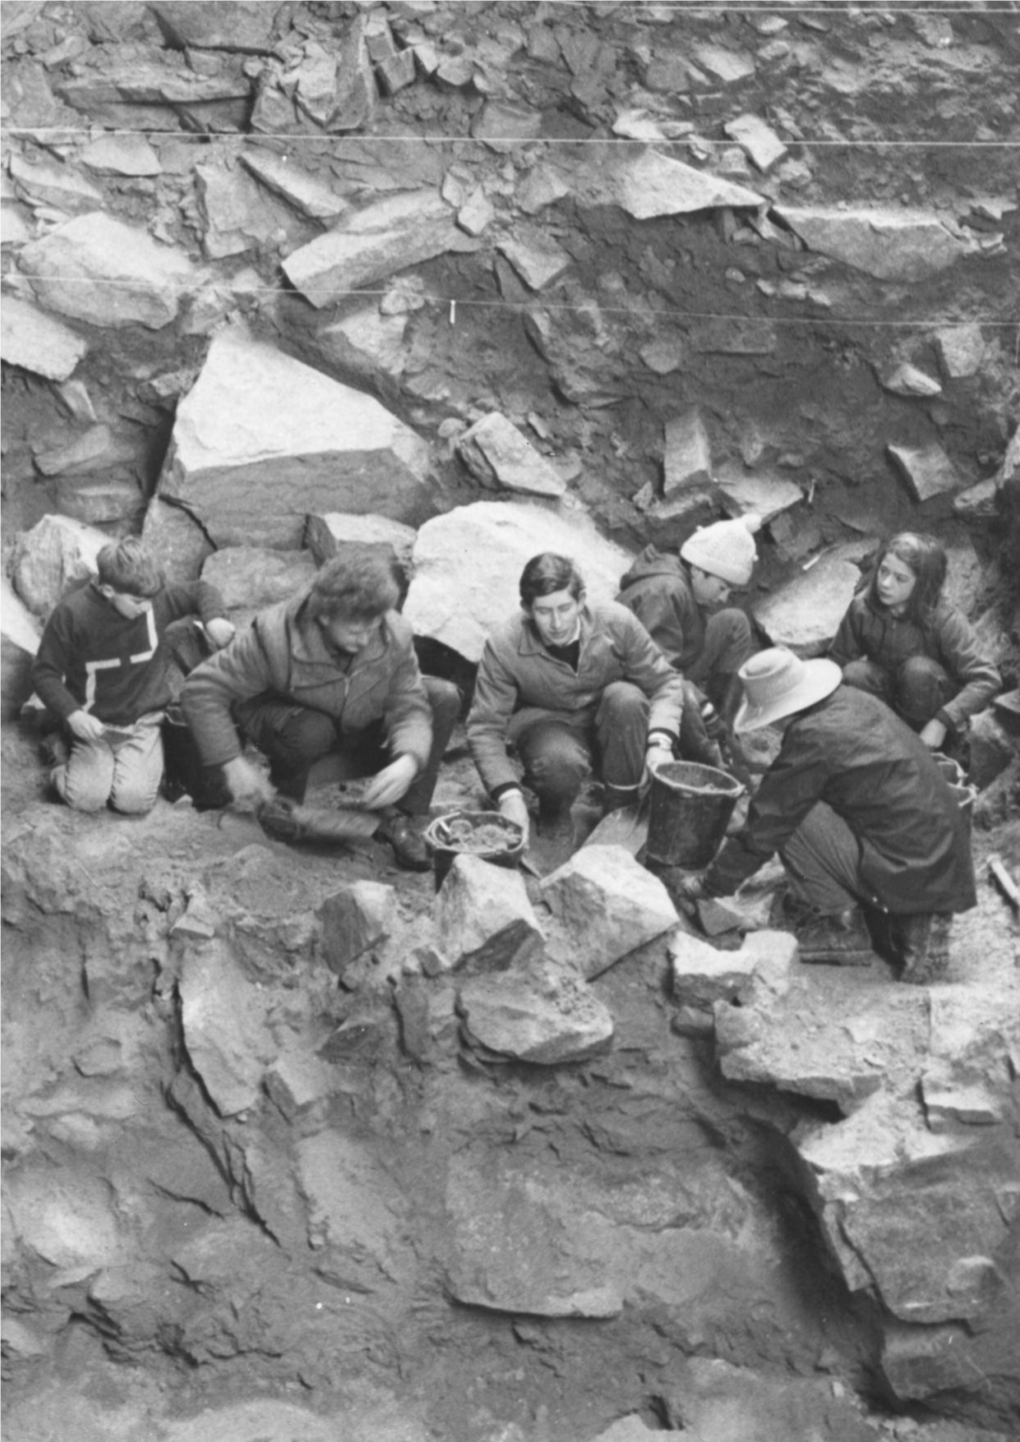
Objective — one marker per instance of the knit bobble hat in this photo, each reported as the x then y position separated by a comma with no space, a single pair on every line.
725,549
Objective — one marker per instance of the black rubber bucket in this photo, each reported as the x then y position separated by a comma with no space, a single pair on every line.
691,807
485,834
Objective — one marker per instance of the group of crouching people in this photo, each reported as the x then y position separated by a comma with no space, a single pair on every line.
875,848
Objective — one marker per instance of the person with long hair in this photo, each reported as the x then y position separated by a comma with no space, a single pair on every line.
903,641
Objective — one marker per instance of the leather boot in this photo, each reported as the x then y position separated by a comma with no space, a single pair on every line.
838,938
923,944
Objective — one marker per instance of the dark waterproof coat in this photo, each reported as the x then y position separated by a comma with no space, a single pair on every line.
851,752
868,631
282,657
657,589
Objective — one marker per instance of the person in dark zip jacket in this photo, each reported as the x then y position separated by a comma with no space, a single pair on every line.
901,640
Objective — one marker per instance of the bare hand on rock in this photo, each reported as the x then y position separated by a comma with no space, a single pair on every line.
513,806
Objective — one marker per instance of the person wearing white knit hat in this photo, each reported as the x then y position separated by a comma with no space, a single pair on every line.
681,601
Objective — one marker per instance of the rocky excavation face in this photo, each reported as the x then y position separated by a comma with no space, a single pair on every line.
295,1144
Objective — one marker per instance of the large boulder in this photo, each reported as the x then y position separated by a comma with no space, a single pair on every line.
102,271
222,1020
484,917
249,577
467,565
261,440
175,540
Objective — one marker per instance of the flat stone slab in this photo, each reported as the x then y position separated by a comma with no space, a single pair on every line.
354,1206
262,440
389,236
927,470
760,495
538,1015
109,274
606,905
653,184
301,188
535,256
805,612
688,455
122,155
38,342
901,245
467,565
500,455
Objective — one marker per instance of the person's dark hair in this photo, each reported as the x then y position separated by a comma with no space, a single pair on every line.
547,573
926,557
359,586
127,567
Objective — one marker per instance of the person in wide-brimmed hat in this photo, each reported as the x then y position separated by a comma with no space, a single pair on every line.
681,602
872,839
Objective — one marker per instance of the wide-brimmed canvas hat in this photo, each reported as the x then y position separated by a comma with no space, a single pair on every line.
777,683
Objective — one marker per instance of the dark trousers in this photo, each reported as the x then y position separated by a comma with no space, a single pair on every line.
296,737
559,750
915,690
713,676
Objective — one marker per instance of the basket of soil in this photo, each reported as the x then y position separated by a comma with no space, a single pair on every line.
691,808
484,834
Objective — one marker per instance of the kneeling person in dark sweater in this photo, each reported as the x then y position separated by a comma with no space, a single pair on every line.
101,669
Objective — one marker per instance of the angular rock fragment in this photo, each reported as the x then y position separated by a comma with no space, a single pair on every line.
688,456
373,244
702,974
328,536
908,380
251,577
19,641
606,905
499,455
247,25
57,552
100,500
38,342
367,342
729,66
56,185
222,1020
537,1015
121,155
301,188
175,540
467,565
961,350
762,495
484,917
760,141
95,450
903,245
99,270
238,215
927,470
354,920
66,1215
262,440
353,1205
